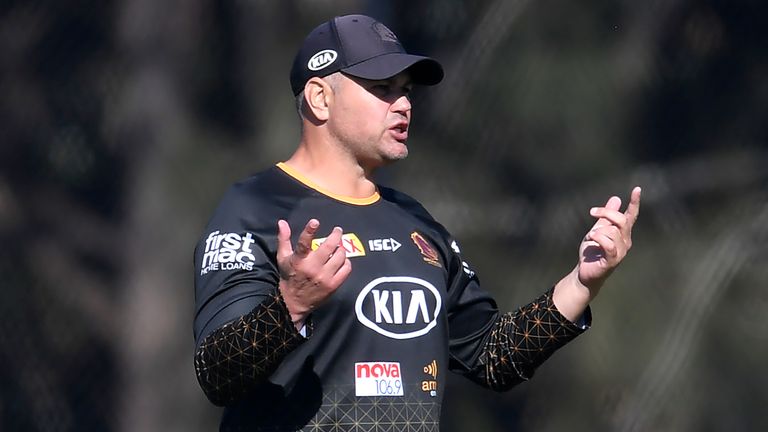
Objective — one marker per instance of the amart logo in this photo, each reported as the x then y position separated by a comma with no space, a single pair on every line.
399,307
321,60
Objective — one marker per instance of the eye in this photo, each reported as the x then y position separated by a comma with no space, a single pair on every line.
380,89
388,90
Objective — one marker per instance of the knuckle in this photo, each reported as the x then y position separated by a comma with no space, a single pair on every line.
296,260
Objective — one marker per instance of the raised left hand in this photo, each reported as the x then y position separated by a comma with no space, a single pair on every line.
609,240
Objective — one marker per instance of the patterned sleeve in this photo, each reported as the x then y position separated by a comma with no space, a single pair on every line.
499,350
492,349
520,341
233,359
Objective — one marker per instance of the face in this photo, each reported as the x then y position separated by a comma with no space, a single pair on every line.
371,118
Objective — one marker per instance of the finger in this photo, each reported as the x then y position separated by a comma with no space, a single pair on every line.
304,244
614,203
622,241
327,248
335,262
606,244
608,216
324,267
610,231
284,248
342,273
633,209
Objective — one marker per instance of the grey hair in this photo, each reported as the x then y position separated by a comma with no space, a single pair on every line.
300,103
333,80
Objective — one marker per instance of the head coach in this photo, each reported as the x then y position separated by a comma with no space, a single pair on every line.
325,301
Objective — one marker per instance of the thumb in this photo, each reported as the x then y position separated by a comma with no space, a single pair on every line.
284,248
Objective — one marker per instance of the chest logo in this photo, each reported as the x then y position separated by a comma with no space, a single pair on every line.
399,307
349,241
427,251
430,385
378,379
388,245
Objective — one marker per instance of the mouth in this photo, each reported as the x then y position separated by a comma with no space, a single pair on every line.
400,131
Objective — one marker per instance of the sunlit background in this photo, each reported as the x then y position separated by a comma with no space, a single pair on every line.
123,121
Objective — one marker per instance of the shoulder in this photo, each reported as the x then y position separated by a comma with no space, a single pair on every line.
412,206
258,187
267,195
404,201
268,187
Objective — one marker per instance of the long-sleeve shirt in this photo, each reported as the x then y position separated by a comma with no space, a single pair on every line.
374,355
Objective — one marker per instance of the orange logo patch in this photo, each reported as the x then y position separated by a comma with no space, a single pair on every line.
349,241
430,385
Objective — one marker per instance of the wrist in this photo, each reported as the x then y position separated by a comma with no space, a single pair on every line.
579,288
571,296
298,314
298,322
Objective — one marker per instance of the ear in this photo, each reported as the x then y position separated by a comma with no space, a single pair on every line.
319,96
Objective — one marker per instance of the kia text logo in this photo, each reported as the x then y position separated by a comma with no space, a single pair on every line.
399,307
321,60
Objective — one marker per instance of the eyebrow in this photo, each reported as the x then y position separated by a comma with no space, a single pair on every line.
393,82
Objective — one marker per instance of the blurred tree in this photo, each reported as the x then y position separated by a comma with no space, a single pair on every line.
122,122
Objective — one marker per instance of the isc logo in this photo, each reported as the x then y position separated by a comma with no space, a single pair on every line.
399,307
322,59
378,245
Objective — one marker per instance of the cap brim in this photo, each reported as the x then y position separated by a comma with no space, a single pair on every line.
423,70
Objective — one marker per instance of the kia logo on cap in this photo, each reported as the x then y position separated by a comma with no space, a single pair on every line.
321,60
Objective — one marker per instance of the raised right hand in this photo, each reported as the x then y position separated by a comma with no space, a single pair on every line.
309,277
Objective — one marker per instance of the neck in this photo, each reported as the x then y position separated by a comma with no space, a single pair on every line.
331,168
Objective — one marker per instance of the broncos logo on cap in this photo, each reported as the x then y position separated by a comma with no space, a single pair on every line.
385,33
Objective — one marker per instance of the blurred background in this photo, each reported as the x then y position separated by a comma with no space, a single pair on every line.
123,121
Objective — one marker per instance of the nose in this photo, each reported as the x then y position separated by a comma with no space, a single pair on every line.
402,105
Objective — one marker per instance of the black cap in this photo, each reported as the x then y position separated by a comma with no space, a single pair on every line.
359,46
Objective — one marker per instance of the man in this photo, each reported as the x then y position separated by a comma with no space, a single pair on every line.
300,326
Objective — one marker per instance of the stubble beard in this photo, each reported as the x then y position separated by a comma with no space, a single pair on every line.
391,152
373,152
380,152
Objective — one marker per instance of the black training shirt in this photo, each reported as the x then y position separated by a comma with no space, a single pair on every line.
378,349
